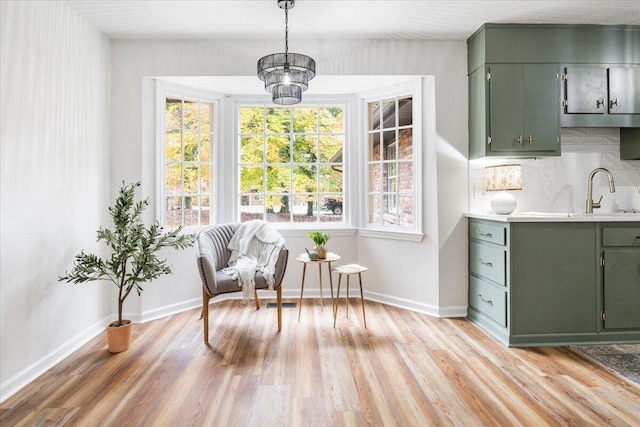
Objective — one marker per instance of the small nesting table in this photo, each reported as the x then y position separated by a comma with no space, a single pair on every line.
304,259
348,269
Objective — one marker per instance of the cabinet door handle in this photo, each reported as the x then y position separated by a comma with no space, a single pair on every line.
487,263
488,301
613,102
530,139
599,102
520,140
484,234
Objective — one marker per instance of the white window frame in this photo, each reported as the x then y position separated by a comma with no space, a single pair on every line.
164,89
413,88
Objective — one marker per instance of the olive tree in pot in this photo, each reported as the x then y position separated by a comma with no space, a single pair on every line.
133,260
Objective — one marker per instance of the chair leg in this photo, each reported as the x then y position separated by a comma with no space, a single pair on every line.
364,316
255,296
279,304
205,314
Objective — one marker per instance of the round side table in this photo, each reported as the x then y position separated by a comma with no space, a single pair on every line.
304,259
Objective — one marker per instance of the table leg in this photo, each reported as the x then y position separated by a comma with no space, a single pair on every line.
304,271
320,278
364,316
335,308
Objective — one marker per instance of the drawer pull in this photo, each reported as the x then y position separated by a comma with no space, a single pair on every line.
488,301
484,234
487,263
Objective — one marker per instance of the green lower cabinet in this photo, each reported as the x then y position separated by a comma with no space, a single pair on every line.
553,278
545,283
621,282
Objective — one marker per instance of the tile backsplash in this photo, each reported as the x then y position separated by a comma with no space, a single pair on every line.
559,184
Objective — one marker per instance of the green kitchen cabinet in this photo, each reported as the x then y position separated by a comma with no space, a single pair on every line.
620,263
542,283
509,105
518,110
601,95
554,281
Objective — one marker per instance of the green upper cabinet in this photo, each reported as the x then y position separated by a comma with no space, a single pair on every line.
524,108
517,102
601,95
515,110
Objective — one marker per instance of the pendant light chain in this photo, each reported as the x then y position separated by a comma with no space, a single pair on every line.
286,34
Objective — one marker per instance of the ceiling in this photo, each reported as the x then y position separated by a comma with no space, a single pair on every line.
320,20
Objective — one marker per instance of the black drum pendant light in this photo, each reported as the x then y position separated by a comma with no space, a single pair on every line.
286,75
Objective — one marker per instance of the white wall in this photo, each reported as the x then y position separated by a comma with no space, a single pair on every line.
559,184
54,86
428,275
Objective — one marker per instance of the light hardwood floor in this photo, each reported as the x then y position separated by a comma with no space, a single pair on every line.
406,369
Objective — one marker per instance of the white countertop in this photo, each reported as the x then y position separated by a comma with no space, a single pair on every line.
559,217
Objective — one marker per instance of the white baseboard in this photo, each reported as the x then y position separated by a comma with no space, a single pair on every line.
12,385
24,377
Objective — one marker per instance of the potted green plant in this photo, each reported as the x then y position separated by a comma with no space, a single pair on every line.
320,238
133,259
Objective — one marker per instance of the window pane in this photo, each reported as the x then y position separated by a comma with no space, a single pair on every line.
374,146
331,208
389,205
251,179
405,151
190,179
205,179
375,177
275,211
305,149
405,110
331,148
305,120
251,207
206,152
389,138
278,149
173,211
330,179
278,120
332,119
206,116
251,149
251,119
374,115
278,179
173,145
304,208
389,113
173,113
190,146
190,115
305,179
374,209
205,210
191,209
405,211
406,177
173,179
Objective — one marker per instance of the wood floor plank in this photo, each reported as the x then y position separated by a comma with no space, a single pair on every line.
405,369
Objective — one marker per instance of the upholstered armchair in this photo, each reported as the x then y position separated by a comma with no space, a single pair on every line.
212,255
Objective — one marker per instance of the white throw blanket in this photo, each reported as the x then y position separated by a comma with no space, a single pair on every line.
254,247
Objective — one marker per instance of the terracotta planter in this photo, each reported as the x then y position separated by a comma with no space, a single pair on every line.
119,337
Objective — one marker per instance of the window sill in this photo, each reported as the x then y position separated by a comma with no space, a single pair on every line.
409,236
